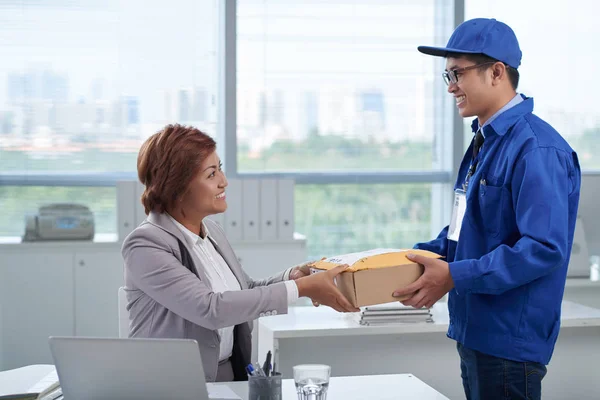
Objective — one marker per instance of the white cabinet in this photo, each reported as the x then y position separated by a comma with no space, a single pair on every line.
98,276
36,292
55,289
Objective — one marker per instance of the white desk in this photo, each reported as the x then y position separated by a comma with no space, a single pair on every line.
379,387
583,291
375,387
321,335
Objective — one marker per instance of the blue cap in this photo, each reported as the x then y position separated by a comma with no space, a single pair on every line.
481,36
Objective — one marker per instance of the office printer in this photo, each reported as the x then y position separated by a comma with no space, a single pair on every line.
60,222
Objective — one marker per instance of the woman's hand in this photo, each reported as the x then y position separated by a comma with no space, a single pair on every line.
321,289
301,271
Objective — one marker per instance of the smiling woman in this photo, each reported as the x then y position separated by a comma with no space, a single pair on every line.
182,278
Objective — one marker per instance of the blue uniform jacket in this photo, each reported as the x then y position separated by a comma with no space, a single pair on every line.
510,262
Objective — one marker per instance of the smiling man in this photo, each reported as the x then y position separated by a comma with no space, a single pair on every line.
507,247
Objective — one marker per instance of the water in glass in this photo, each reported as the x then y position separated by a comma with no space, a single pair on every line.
312,389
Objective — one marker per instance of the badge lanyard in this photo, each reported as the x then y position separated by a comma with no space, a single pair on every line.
460,195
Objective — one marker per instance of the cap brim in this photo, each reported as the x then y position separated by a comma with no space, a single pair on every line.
443,51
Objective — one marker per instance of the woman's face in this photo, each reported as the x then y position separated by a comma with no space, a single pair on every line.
206,192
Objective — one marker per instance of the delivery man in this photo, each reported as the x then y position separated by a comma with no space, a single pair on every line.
508,244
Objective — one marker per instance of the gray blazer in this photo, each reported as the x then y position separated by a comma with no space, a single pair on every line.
169,296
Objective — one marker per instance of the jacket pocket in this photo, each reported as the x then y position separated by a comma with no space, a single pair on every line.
491,200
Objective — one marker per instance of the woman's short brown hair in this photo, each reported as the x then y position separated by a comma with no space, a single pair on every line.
167,163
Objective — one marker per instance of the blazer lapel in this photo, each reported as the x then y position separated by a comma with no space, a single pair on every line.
163,222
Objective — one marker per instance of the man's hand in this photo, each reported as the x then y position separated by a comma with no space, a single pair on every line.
320,287
435,282
301,271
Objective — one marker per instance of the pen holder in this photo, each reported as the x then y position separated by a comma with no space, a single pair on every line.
264,387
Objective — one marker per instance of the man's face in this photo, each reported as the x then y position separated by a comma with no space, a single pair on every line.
472,91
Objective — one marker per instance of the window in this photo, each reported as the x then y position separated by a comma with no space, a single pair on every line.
82,84
342,219
331,87
322,88
339,85
559,65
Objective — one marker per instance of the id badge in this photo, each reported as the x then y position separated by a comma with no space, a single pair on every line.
458,213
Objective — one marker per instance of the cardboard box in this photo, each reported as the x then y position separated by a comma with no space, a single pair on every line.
374,274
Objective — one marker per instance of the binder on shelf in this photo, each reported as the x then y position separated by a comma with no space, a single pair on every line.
140,213
218,218
233,215
285,209
250,209
268,209
126,217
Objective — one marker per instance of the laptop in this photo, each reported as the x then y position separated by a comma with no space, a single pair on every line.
128,369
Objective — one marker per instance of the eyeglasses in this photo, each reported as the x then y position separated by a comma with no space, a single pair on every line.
452,75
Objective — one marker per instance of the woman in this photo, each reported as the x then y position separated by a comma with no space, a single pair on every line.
182,277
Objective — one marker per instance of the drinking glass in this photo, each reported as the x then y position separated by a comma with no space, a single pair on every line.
312,381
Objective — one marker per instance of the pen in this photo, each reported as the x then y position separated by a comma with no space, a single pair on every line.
267,363
274,371
250,369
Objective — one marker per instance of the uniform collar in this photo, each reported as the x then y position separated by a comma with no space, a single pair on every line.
503,122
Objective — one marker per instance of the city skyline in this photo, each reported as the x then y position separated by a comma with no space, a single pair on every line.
299,69
36,110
